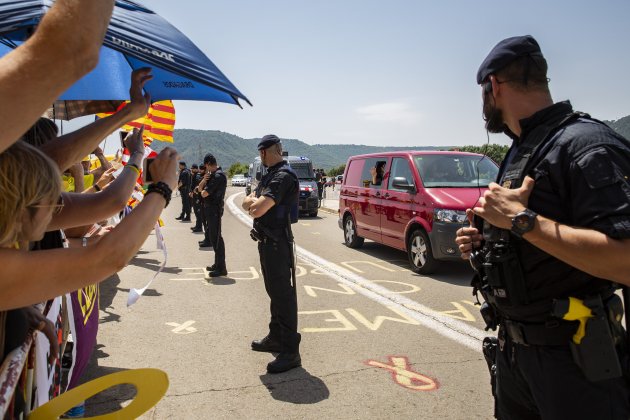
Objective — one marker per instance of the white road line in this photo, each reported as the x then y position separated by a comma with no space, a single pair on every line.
456,330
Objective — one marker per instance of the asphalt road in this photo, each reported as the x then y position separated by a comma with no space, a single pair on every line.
378,341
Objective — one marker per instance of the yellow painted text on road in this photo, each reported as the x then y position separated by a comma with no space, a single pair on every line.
378,321
412,287
338,317
351,266
345,324
310,290
184,328
459,313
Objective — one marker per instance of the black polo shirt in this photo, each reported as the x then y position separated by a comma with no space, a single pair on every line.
283,188
215,187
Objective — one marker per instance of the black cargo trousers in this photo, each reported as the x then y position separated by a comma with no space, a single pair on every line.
275,263
196,204
212,217
544,382
186,203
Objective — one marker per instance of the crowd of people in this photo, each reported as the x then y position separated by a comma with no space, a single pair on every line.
37,206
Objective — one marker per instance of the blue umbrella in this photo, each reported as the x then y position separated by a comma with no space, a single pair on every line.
136,38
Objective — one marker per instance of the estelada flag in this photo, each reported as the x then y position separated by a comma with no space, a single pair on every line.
159,122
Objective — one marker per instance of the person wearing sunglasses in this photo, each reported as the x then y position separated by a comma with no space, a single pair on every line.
549,243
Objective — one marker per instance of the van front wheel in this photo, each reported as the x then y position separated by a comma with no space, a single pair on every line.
420,254
351,238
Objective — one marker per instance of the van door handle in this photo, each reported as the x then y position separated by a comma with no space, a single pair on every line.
386,195
378,194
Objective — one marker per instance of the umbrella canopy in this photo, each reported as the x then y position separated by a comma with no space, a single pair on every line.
136,38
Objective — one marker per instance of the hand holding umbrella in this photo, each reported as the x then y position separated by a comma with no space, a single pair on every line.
139,104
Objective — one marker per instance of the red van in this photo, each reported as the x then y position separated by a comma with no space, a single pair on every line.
412,200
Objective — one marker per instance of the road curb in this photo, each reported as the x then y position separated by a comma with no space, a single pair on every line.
328,210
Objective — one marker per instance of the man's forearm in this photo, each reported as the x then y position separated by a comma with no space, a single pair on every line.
74,146
585,249
47,64
91,208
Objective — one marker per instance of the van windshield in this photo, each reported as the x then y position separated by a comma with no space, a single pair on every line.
455,171
303,170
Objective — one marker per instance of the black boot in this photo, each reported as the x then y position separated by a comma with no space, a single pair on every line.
267,344
284,362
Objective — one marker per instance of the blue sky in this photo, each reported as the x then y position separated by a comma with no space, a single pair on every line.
397,72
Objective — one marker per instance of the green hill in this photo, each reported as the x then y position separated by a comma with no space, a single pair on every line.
621,126
229,148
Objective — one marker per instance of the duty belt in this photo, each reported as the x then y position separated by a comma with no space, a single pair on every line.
551,333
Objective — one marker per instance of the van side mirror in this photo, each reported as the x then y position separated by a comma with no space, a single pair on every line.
258,175
401,183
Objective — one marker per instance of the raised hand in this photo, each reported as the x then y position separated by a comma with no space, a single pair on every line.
134,141
499,205
139,103
164,167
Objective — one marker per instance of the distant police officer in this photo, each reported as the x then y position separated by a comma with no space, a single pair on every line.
195,196
183,184
213,193
554,236
274,207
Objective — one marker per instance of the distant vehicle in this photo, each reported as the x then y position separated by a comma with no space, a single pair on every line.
339,179
414,202
309,198
239,180
250,175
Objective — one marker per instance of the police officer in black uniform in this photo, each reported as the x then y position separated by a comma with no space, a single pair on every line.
213,193
195,196
548,242
274,206
183,184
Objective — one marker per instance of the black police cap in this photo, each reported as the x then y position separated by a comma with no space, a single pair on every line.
181,162
268,141
209,159
505,52
194,166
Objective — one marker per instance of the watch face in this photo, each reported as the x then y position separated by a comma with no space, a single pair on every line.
521,222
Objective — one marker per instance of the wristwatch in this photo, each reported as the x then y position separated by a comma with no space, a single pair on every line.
523,222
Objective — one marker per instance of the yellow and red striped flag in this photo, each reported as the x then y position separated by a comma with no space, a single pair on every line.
159,122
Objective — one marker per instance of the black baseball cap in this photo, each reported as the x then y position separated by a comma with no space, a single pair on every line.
194,166
209,159
505,52
182,163
268,141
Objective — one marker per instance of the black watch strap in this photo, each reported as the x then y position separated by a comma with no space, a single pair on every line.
523,222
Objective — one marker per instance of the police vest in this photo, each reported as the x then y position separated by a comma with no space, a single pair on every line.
285,211
524,162
536,145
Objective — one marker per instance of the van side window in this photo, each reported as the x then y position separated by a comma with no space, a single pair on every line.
400,169
373,172
353,173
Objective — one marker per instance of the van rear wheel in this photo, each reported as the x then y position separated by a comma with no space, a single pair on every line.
351,238
420,253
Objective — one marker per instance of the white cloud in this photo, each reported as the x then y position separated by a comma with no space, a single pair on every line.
390,112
